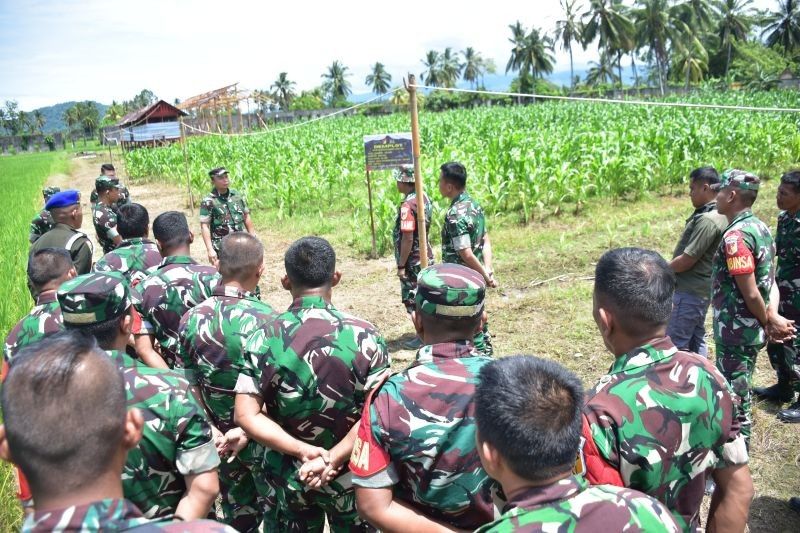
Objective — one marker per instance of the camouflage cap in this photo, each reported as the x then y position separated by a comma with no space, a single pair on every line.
739,179
47,192
404,174
93,298
106,182
217,172
450,291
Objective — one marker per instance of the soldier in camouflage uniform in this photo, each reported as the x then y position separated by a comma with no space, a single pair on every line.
785,357
223,211
65,208
415,446
136,256
406,237
47,270
104,213
107,169
310,369
465,240
175,286
743,279
55,386
173,470
661,420
212,336
528,414
43,222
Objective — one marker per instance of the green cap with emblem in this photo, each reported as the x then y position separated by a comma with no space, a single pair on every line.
404,174
448,290
47,192
104,183
93,298
739,179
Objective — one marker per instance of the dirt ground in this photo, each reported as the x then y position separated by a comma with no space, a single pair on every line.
543,306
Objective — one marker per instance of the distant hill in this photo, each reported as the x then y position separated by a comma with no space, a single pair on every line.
53,115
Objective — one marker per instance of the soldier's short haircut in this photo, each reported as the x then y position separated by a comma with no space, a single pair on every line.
171,229
747,196
310,262
637,285
529,410
107,167
105,332
455,173
240,256
456,328
64,410
792,179
47,265
707,175
132,221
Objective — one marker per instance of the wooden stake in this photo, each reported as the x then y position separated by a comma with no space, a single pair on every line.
419,187
371,216
186,168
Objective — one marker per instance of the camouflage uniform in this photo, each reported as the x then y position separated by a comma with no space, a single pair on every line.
406,222
465,227
571,505
313,366
212,336
420,442
174,287
111,515
785,357
177,439
124,196
105,224
224,213
664,419
133,258
746,247
43,222
43,320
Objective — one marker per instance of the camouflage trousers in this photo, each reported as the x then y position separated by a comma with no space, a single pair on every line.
246,497
299,509
408,288
737,363
785,360
483,341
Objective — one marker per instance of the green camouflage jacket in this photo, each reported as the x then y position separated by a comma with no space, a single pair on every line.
464,227
312,366
41,224
124,196
571,505
174,287
43,320
406,222
746,247
664,419
105,224
212,336
418,435
176,442
133,258
787,274
224,213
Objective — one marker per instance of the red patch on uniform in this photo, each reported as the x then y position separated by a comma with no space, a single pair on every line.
136,324
407,221
738,256
598,470
368,457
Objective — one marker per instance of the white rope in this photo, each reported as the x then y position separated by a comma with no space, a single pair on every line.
296,124
615,101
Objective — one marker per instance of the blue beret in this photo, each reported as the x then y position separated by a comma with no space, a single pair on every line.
63,199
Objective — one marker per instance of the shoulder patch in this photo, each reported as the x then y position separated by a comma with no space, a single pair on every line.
368,457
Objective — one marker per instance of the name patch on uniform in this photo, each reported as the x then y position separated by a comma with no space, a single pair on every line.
738,256
368,457
407,221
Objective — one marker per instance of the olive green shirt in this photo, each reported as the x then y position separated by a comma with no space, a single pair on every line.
75,241
700,240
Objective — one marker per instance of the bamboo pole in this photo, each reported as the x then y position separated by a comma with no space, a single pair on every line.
419,187
371,216
186,168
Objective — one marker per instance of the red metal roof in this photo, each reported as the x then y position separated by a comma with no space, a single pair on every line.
160,109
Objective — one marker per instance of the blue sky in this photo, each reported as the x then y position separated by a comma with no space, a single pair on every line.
55,51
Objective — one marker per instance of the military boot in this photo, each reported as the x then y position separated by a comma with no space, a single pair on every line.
790,415
781,392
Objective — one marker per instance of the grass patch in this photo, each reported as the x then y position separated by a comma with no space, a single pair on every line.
21,179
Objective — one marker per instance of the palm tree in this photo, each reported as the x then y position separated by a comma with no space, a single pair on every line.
474,66
336,85
693,62
568,30
607,21
601,72
39,120
783,26
518,36
283,89
660,25
433,74
379,79
734,24
531,56
71,119
450,67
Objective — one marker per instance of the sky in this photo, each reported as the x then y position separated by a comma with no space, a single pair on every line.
104,50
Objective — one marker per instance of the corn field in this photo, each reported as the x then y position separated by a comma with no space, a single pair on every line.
522,161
